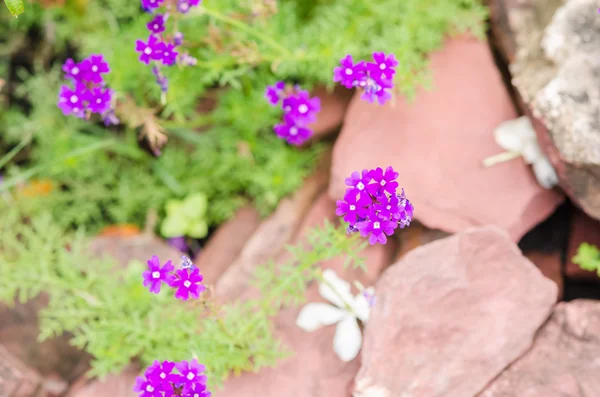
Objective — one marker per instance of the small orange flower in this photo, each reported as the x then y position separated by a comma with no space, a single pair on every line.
37,188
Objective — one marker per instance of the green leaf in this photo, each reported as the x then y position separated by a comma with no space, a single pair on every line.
588,257
195,205
173,226
16,7
198,230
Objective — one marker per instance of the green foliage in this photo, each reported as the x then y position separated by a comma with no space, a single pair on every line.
15,7
186,217
588,257
114,318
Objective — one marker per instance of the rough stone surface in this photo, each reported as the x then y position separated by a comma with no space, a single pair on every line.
333,108
226,244
555,49
415,236
273,234
55,356
112,386
140,248
314,370
451,315
550,264
16,378
440,157
564,360
583,230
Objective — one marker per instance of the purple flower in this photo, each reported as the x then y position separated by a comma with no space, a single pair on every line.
198,390
179,243
383,181
187,60
301,107
359,181
406,211
374,78
293,133
161,80
163,374
375,88
155,275
348,74
187,283
376,228
169,55
383,65
183,6
109,118
71,101
178,38
157,24
151,50
388,207
148,386
73,70
94,66
352,207
99,99
150,5
273,92
191,373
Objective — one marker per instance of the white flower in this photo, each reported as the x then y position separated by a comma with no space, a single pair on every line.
347,310
518,137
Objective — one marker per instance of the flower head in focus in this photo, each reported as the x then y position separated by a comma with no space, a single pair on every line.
372,205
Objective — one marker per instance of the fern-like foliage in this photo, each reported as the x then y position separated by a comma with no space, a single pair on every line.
114,318
588,257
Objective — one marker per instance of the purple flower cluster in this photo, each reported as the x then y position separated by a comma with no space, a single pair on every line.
160,49
186,281
159,380
89,93
375,78
372,207
299,111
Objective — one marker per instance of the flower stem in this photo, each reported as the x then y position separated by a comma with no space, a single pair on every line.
500,158
244,27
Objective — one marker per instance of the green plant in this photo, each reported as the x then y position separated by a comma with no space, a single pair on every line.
186,217
114,318
588,257
15,7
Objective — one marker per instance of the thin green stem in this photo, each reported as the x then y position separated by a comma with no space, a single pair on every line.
79,152
242,27
9,156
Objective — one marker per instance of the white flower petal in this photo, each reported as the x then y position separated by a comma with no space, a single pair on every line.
315,315
531,152
514,134
348,339
361,306
342,296
545,173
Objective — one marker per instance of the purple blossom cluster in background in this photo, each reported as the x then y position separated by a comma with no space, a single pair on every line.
160,48
372,207
299,110
375,78
186,281
159,380
89,93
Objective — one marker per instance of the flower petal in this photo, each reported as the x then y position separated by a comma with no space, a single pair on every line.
341,295
361,306
347,339
316,315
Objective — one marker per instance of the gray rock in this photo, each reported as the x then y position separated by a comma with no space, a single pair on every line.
556,70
